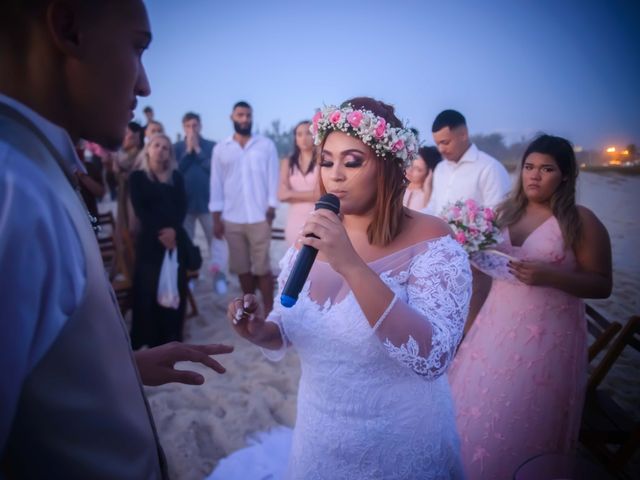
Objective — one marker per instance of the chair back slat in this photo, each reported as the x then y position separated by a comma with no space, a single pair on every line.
601,329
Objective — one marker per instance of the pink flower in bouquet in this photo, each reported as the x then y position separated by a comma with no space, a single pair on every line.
335,117
488,214
380,127
471,205
354,118
398,145
474,226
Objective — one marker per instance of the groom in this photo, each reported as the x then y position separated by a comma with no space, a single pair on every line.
71,398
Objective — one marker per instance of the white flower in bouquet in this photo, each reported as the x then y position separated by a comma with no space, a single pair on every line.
473,225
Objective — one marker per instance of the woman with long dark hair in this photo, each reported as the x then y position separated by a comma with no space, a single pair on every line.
298,181
519,377
420,176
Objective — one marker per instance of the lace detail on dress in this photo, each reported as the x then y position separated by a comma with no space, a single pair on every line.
360,412
285,264
424,333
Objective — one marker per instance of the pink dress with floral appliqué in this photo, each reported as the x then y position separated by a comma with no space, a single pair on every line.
519,377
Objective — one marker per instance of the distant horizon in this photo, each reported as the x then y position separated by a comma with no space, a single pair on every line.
565,68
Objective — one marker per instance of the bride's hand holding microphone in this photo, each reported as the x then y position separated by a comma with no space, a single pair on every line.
324,231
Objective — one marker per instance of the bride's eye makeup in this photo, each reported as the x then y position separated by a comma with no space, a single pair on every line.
353,160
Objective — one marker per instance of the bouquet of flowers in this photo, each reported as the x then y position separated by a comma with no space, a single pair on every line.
474,226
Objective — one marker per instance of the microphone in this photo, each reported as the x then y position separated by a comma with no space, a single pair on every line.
306,257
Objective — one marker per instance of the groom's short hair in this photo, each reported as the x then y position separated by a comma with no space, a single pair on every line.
448,118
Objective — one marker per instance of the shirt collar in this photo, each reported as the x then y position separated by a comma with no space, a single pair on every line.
253,139
471,155
58,136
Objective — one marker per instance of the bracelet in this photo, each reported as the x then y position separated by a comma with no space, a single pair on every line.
385,314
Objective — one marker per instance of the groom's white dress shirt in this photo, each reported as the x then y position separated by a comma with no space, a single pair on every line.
476,176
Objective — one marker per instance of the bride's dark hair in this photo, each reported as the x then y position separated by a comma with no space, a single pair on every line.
390,179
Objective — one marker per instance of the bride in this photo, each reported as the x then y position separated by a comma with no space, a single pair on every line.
379,319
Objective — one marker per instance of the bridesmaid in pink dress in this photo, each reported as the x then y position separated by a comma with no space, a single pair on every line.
519,377
420,176
299,181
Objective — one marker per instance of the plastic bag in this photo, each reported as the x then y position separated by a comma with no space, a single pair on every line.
219,255
168,295
218,264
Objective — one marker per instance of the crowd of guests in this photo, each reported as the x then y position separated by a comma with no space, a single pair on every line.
232,188
379,324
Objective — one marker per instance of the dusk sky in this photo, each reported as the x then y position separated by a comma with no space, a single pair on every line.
570,68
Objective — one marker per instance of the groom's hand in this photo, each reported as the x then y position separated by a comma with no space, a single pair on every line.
156,365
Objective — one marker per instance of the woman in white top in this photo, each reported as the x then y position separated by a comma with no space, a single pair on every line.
379,318
420,176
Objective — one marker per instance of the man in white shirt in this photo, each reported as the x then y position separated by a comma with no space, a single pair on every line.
244,182
466,172
71,400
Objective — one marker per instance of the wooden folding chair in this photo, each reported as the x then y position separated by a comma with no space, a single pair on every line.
601,329
609,431
114,256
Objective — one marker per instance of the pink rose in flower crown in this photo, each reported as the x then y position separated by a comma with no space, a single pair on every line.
335,117
354,118
398,145
380,127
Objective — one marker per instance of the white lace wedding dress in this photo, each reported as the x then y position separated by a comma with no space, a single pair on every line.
374,403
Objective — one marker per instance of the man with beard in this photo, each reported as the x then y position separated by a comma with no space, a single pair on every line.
244,183
71,400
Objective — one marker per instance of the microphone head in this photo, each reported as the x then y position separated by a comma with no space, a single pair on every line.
330,202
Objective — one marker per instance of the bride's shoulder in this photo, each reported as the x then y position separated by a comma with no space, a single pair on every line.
421,227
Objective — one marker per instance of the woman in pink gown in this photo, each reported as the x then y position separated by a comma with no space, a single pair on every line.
299,181
518,379
420,176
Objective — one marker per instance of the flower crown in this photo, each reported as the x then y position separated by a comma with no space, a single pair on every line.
385,140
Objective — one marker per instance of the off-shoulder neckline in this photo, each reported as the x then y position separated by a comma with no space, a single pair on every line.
401,250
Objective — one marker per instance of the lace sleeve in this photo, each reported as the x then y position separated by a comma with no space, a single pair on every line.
423,332
286,263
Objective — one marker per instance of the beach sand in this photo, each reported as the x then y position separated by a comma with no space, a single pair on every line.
200,425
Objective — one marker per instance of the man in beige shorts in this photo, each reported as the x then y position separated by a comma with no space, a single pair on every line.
244,182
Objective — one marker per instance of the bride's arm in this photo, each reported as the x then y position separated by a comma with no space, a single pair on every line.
422,332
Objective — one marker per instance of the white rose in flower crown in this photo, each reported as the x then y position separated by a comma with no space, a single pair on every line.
474,226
